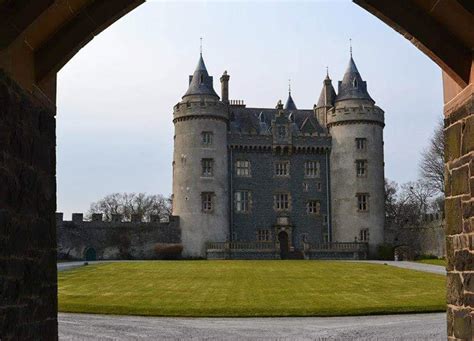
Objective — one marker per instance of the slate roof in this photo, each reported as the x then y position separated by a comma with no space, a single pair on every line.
352,86
200,83
290,104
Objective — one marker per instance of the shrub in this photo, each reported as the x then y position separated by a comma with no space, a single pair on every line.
385,252
168,251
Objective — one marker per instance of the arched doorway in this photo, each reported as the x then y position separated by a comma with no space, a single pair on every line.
90,254
284,246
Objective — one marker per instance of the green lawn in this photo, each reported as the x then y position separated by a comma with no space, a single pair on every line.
248,288
441,262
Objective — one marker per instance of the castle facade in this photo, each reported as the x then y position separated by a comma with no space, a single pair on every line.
281,179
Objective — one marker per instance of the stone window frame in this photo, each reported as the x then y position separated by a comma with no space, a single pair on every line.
207,202
280,203
245,171
364,235
362,202
312,169
362,166
281,168
305,187
319,186
207,167
361,143
264,235
207,138
282,131
325,219
244,205
313,207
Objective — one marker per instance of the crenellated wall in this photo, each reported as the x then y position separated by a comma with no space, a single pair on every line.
109,240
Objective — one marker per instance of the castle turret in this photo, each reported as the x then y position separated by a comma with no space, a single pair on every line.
326,101
200,179
290,103
357,163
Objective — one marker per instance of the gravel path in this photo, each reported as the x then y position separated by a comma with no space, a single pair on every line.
388,327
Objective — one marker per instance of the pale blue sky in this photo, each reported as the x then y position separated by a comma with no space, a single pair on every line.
115,97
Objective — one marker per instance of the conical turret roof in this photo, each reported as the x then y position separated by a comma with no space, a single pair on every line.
352,86
200,83
328,94
290,104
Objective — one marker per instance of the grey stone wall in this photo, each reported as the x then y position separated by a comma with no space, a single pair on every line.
28,288
428,238
263,184
114,240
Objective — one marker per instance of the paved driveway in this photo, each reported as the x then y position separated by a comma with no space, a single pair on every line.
389,327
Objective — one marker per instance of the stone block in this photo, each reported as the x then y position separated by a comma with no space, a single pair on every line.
463,260
468,282
467,209
449,253
455,295
452,137
462,324
453,216
468,135
460,181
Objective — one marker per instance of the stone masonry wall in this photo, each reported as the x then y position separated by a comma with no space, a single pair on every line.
459,207
114,240
28,289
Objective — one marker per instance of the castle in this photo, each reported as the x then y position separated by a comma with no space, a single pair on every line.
284,179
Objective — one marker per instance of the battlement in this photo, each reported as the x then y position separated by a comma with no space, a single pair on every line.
204,108
237,103
117,220
356,113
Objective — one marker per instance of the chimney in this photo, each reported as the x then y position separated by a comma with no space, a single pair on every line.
225,87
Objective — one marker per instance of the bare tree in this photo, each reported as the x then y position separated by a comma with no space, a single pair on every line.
432,160
391,189
128,204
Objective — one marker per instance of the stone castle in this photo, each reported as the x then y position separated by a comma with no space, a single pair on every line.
283,179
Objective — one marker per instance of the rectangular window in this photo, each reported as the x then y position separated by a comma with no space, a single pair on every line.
362,201
364,235
264,235
207,138
242,201
207,167
318,186
361,167
313,207
305,187
281,201
311,169
282,168
325,219
361,143
242,168
207,199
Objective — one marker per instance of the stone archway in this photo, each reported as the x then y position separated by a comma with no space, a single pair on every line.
37,37
284,242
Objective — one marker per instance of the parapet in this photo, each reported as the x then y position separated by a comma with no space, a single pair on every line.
97,220
348,114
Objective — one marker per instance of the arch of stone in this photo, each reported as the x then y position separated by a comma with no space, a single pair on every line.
38,37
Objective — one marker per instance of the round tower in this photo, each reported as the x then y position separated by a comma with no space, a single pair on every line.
357,163
200,169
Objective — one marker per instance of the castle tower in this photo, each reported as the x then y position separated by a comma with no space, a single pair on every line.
200,179
325,102
357,163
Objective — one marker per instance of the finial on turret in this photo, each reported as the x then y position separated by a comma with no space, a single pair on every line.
350,46
327,71
289,86
200,46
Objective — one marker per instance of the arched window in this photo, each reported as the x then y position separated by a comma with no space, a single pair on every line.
202,79
355,83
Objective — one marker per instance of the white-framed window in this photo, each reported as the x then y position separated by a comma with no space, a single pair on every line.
207,167
361,143
207,138
282,168
312,169
207,199
362,201
313,207
242,201
264,235
361,167
364,235
282,131
242,168
281,201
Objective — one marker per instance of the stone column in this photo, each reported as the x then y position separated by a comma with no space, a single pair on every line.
459,206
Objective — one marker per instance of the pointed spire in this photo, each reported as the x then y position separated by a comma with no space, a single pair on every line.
200,83
328,94
290,104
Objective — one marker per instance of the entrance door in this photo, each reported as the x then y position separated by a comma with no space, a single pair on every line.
284,247
90,254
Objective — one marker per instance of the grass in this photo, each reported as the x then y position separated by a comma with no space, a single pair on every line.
441,262
248,288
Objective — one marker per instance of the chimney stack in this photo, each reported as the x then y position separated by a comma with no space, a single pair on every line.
225,87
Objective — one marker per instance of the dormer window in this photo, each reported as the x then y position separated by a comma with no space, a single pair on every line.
202,79
355,83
